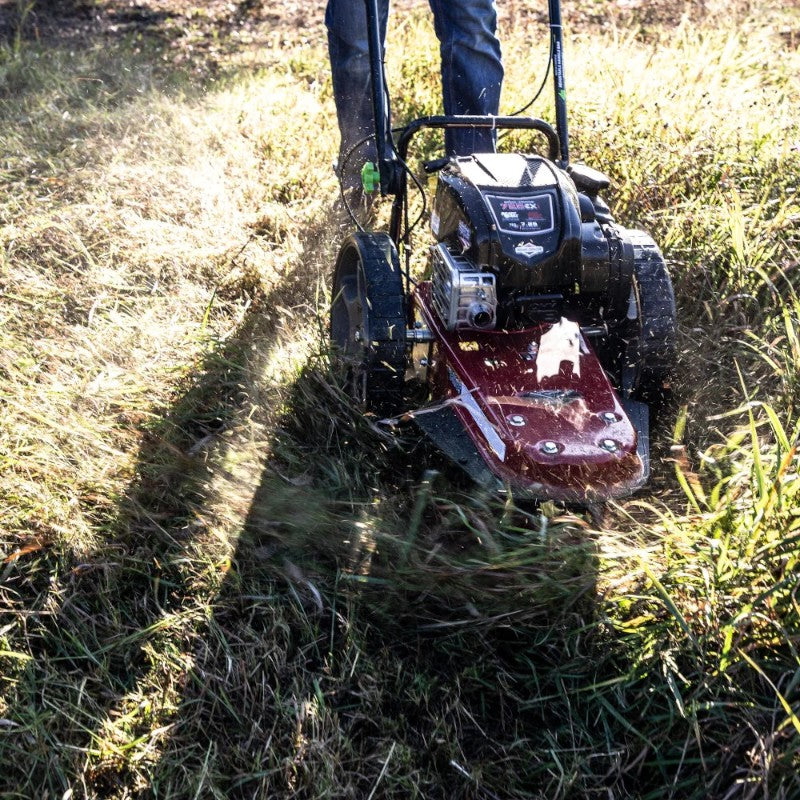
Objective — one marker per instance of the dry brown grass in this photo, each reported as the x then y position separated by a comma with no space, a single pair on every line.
217,579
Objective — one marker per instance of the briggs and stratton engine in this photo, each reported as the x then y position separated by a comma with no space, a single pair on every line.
521,241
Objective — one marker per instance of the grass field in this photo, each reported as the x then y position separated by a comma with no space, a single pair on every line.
218,580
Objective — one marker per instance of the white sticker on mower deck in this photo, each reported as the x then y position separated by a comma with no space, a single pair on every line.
466,399
561,343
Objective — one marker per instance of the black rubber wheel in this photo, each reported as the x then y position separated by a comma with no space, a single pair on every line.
368,321
651,343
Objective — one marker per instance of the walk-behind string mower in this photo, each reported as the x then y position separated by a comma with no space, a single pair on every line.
542,328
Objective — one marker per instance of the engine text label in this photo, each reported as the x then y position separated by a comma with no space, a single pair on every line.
529,214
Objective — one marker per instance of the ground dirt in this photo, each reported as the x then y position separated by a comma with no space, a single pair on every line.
218,25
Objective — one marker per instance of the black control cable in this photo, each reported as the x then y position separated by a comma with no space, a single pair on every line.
541,85
538,91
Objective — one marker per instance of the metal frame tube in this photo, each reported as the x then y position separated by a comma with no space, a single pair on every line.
504,123
559,84
379,104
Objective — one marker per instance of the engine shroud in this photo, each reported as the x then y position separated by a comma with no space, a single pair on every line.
522,219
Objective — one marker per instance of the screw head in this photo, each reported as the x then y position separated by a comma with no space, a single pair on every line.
610,445
357,334
516,420
423,362
609,417
550,448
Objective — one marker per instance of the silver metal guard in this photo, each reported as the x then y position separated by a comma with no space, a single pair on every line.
463,296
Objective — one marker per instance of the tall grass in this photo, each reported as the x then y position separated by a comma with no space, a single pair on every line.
218,579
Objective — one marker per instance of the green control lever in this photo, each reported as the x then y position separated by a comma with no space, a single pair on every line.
370,177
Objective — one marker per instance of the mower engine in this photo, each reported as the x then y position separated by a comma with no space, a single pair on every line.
518,244
463,296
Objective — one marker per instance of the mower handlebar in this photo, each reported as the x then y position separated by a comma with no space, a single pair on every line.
505,123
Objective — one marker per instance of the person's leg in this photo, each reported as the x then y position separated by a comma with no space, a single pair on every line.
472,69
348,50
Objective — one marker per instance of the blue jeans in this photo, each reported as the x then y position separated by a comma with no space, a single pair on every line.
472,71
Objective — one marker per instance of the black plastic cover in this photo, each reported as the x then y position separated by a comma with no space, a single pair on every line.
589,180
552,250
514,214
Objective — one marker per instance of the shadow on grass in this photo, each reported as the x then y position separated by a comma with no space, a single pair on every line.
95,653
372,617
95,630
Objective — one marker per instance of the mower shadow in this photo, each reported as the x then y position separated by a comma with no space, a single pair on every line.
356,560
84,624
353,562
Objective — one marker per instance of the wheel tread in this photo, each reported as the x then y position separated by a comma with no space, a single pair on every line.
658,333
382,360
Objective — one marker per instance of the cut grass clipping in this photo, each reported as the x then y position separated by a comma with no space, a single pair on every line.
218,580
